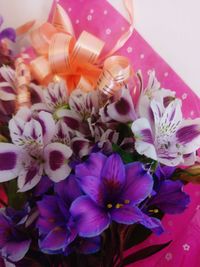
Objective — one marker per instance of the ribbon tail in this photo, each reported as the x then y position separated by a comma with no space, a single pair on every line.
21,30
128,4
61,21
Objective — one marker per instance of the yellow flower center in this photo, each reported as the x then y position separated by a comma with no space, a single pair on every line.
118,205
109,206
154,211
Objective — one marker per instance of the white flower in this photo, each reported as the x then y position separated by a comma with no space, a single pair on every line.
32,154
161,133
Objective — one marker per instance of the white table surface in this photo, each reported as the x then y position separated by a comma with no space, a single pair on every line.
172,27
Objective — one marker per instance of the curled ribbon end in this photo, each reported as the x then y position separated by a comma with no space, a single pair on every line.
61,20
23,79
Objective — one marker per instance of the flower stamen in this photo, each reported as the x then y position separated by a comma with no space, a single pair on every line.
154,211
109,206
127,201
118,205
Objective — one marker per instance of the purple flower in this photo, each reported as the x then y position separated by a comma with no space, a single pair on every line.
169,196
113,191
164,172
7,33
43,186
14,242
56,228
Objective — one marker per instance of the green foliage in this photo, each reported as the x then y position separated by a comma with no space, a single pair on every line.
16,199
132,157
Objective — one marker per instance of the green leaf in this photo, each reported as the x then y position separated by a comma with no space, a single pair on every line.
136,235
126,157
124,130
15,199
132,157
144,253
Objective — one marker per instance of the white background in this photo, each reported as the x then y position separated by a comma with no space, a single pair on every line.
172,27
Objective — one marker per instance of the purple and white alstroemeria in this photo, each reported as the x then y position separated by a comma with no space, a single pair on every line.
164,135
8,91
121,110
32,152
113,191
51,98
152,91
82,106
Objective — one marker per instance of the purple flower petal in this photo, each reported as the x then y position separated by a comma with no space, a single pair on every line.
126,214
15,251
36,93
56,161
70,118
90,219
56,239
172,115
10,161
68,189
6,92
4,231
188,135
123,109
43,186
171,198
139,183
56,94
29,177
48,126
84,103
92,187
143,138
33,130
164,172
91,167
113,174
50,214
152,223
190,159
8,33
81,146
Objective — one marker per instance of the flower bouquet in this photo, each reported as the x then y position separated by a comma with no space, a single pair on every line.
92,156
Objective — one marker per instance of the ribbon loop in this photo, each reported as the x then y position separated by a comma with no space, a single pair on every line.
59,53
41,70
116,71
87,48
41,37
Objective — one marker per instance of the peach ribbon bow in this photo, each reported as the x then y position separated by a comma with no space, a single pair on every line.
78,61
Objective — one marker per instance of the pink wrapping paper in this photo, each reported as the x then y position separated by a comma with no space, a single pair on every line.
101,19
